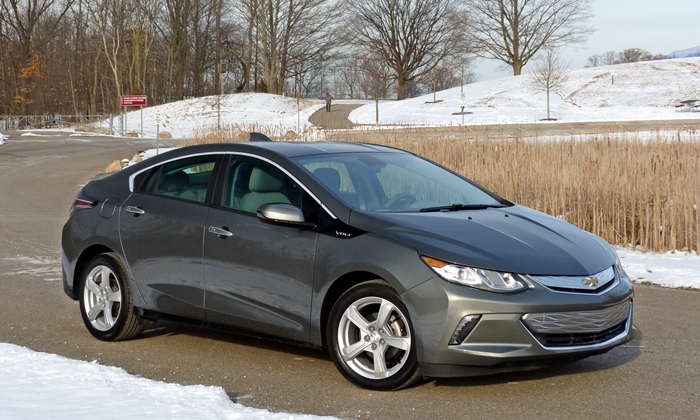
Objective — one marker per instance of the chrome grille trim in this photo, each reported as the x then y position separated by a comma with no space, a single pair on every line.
577,283
577,322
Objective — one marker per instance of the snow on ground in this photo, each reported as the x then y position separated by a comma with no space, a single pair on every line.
185,118
635,91
37,385
671,269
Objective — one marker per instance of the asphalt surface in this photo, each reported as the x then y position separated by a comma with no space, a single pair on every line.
655,376
336,118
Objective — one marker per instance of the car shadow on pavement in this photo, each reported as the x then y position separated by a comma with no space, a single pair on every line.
230,335
616,357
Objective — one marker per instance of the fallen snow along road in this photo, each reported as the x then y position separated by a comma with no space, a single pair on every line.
37,385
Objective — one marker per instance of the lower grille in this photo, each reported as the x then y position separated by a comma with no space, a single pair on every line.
559,329
580,339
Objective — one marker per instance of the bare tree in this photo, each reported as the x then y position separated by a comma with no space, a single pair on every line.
141,34
241,47
28,26
375,80
513,31
633,55
411,36
350,74
550,74
292,33
109,17
630,55
606,59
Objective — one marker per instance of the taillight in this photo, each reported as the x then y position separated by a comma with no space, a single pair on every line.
82,201
83,204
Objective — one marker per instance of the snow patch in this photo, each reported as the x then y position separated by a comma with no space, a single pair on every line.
37,385
45,267
675,269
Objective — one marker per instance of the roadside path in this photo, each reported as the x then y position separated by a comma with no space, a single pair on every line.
334,120
338,126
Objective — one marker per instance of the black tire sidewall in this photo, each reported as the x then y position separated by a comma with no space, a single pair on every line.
406,374
116,329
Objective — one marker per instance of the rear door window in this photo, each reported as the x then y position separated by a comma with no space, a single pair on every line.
186,179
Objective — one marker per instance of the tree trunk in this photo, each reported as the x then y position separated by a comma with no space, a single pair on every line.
402,88
376,110
517,68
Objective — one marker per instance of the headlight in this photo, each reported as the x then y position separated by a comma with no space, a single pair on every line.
492,281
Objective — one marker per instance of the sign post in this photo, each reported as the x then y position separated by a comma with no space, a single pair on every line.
157,132
133,100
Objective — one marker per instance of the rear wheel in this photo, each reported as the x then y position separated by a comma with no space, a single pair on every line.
370,338
106,302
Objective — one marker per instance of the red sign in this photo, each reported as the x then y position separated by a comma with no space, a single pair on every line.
133,100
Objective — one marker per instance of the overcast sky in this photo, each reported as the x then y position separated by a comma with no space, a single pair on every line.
658,26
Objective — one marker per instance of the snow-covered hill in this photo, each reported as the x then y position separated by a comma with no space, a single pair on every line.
635,91
199,115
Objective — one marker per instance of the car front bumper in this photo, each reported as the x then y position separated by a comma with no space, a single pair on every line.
559,327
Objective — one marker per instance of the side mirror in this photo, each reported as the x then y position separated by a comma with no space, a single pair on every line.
283,214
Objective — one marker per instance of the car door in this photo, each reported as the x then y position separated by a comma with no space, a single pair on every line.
162,229
259,275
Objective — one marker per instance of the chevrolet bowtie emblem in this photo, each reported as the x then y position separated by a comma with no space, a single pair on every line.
591,281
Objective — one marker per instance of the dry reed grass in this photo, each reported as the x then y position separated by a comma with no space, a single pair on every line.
241,132
630,190
634,189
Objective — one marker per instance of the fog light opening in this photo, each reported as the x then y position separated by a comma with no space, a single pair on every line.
465,326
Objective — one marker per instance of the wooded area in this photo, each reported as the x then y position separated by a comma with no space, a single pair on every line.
78,56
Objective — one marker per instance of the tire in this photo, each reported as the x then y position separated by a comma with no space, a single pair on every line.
106,302
369,322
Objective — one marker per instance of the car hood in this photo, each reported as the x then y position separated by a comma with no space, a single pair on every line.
511,239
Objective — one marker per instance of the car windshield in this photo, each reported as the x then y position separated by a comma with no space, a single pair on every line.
391,182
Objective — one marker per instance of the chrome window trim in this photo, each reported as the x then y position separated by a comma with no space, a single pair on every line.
135,174
264,159
275,164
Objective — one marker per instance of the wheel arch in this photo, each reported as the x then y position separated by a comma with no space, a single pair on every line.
340,286
83,260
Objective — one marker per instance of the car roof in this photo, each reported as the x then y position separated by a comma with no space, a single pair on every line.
298,148
268,149
286,149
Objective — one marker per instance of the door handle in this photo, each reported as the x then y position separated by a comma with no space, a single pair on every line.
222,231
134,210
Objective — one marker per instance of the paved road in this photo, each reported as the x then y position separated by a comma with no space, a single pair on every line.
336,119
653,377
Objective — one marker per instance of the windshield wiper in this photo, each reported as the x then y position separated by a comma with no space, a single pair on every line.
455,207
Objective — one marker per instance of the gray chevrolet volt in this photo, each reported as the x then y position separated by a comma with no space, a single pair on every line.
399,267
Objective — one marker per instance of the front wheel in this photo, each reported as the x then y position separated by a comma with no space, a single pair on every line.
370,338
105,300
